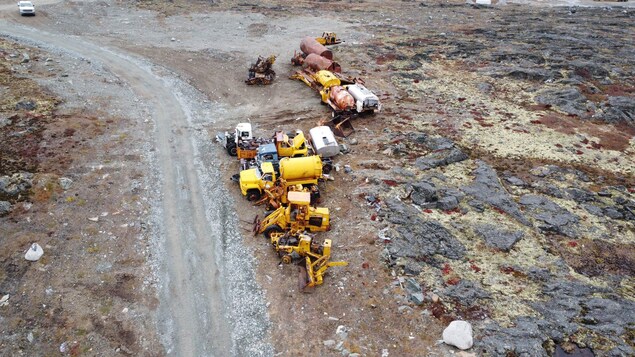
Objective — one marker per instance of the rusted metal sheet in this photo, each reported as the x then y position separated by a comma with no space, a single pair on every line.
317,62
310,45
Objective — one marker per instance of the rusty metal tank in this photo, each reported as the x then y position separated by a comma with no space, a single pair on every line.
317,62
310,45
341,98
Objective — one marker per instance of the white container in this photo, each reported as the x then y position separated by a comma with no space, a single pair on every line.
365,100
324,142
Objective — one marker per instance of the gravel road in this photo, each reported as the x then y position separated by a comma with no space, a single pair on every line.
198,314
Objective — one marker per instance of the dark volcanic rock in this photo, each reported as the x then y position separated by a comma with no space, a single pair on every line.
525,339
619,110
487,188
440,158
5,207
418,239
555,218
498,238
16,184
448,203
423,239
467,292
580,195
568,100
423,192
25,105
443,151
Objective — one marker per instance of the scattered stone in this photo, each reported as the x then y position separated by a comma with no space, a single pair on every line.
515,181
612,213
404,308
25,58
498,238
29,337
555,218
347,169
16,184
4,121
65,183
415,293
594,210
34,253
487,188
93,219
5,208
423,192
329,343
353,141
458,334
25,105
580,195
341,332
344,149
485,87
448,203
4,301
172,39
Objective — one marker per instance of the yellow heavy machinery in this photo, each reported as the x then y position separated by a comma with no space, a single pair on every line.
298,170
297,216
328,38
290,145
316,256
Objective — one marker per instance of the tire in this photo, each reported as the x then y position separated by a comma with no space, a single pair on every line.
253,195
271,229
232,151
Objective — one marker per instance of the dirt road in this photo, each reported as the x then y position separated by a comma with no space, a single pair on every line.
193,308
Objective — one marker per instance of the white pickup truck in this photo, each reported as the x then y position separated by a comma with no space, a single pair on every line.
26,8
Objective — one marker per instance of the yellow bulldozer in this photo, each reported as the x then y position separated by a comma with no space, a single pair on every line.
328,38
316,256
297,216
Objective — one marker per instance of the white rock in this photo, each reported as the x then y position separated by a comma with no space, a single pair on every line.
341,332
65,183
30,337
94,219
459,334
34,253
5,300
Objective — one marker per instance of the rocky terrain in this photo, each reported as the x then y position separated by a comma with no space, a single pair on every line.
496,186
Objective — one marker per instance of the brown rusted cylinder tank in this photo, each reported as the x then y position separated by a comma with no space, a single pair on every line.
317,63
341,98
310,45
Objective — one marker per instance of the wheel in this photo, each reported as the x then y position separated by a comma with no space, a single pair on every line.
271,229
232,150
286,259
253,195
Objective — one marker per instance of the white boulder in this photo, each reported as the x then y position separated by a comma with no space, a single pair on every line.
34,253
459,335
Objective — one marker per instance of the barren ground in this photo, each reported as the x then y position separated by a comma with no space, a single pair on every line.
499,179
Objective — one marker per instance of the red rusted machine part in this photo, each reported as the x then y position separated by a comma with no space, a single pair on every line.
310,45
317,63
341,98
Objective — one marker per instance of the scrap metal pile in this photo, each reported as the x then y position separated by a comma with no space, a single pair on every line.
262,72
283,172
347,97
